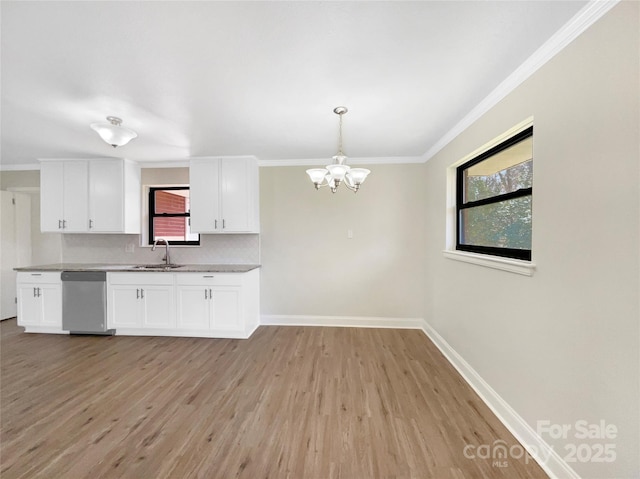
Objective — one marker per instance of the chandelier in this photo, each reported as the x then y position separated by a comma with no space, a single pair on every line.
113,132
337,173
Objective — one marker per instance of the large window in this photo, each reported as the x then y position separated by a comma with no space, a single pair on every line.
169,216
493,199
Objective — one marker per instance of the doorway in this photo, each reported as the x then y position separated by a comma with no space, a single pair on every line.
15,246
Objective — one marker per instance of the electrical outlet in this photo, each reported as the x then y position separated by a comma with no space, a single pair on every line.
129,248
350,234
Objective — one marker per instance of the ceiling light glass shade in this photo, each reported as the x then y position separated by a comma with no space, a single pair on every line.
113,132
358,175
338,172
317,174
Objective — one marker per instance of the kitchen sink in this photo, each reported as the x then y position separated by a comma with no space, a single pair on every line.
157,267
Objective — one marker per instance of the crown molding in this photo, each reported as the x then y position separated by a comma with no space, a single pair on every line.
581,21
164,164
20,167
391,160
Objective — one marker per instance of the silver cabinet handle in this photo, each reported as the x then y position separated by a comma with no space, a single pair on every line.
137,293
223,224
59,224
215,224
90,224
205,293
210,295
207,276
38,292
34,292
64,224
141,293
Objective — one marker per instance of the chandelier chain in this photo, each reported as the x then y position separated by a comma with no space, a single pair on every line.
340,152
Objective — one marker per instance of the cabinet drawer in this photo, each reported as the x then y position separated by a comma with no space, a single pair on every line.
140,278
38,277
210,279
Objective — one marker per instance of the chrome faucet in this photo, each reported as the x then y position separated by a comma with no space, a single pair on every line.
166,258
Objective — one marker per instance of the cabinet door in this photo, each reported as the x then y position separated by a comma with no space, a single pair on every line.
235,194
194,307
204,180
51,196
51,304
106,196
124,306
226,309
76,197
29,305
157,310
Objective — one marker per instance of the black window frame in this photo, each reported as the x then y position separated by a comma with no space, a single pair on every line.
153,214
521,254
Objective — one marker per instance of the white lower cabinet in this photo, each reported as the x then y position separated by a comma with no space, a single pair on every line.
142,301
210,306
227,309
158,307
194,307
216,305
39,297
123,307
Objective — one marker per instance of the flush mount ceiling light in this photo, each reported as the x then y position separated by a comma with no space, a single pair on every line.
338,172
113,132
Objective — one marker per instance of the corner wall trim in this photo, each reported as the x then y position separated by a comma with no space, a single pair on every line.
537,447
341,321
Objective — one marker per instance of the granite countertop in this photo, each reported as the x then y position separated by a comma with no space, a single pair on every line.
185,268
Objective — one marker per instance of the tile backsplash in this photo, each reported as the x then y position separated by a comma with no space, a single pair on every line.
111,248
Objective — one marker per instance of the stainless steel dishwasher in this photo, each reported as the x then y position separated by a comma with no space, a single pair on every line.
84,302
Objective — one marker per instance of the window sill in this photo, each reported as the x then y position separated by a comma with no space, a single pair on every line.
525,268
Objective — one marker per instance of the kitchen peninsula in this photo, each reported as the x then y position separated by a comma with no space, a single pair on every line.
197,300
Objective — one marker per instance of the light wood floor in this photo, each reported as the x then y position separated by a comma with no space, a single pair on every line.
290,402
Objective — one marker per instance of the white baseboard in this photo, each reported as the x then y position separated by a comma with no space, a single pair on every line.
183,333
43,329
537,447
341,321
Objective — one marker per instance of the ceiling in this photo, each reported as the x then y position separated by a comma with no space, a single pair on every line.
256,78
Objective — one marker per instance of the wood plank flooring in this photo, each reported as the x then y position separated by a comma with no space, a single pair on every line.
291,402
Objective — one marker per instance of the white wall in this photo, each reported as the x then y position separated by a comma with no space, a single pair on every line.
45,247
562,345
311,267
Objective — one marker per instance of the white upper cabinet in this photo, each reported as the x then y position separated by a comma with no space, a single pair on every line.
64,194
224,195
204,178
90,196
51,188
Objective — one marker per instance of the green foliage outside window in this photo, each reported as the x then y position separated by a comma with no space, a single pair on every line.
506,224
494,193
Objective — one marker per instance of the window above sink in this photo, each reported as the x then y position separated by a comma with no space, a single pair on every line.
169,216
